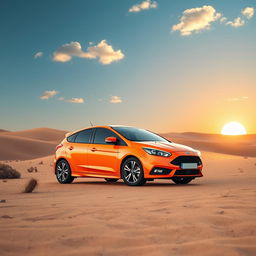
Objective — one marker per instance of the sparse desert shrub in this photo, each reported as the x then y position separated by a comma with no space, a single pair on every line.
7,172
41,162
30,169
30,186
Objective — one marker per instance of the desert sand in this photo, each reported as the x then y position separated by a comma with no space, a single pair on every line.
214,215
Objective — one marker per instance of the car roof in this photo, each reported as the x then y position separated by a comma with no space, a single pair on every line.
98,126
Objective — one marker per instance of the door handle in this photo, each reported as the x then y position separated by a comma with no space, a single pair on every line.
70,148
93,149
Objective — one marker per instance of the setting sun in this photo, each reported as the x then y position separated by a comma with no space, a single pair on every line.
233,128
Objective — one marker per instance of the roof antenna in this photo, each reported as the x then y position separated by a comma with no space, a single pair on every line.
91,123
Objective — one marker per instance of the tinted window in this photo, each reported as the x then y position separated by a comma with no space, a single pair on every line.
136,134
101,134
71,138
83,136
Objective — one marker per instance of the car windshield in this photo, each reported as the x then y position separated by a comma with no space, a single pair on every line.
135,134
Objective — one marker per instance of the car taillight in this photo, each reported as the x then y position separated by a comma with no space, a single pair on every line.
59,146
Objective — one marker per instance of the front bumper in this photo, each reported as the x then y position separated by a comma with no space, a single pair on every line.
156,167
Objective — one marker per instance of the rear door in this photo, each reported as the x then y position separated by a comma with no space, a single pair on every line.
102,156
79,150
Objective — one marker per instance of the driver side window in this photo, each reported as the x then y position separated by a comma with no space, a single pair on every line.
102,133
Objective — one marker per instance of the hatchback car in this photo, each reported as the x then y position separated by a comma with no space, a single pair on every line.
128,153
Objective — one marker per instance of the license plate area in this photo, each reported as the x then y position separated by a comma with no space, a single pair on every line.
188,166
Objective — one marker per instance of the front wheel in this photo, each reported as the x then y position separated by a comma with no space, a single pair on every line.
63,172
132,172
181,180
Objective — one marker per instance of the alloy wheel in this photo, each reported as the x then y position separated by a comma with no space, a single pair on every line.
63,172
132,172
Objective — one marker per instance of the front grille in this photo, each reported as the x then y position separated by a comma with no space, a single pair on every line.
186,172
186,159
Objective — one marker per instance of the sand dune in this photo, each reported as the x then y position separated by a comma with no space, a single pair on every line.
2,130
214,215
44,134
23,148
29,144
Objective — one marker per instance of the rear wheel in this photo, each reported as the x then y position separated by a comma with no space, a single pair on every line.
181,180
111,180
132,172
63,172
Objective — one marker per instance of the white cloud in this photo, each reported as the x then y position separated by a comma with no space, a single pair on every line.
116,99
145,5
223,19
235,99
48,94
196,19
103,51
76,100
248,12
38,55
237,22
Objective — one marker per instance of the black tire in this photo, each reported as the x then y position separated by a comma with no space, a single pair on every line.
181,180
63,172
111,180
132,172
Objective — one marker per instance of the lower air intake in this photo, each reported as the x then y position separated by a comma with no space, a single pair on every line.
186,172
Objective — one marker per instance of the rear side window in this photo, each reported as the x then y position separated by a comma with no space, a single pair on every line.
102,133
84,136
71,138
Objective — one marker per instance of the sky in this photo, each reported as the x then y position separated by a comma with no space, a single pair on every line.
167,66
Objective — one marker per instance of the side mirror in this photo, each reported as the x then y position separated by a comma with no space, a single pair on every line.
112,140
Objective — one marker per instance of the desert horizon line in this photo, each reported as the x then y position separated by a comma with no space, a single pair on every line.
166,132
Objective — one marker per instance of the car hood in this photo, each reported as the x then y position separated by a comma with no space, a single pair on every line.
167,146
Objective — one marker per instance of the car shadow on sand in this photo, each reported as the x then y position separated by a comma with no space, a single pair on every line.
120,183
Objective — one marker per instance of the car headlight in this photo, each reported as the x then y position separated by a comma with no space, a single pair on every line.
156,152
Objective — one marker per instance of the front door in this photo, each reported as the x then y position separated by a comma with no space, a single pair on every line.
102,156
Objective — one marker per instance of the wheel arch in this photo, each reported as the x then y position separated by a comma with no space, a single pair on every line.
124,159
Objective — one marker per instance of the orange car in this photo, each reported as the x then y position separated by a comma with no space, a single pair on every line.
128,153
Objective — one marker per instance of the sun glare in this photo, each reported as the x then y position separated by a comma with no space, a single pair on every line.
233,128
